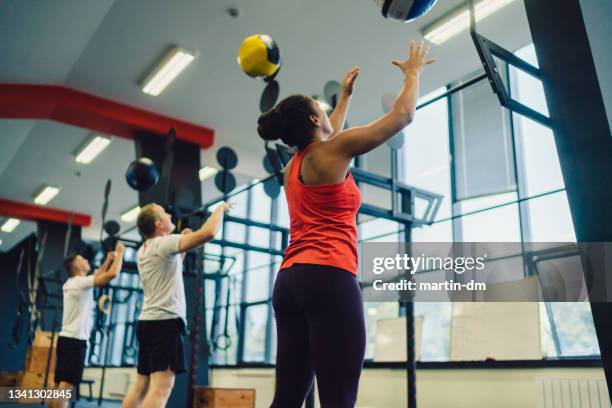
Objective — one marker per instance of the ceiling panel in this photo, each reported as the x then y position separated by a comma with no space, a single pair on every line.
41,40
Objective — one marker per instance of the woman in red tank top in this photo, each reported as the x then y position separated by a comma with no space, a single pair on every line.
317,298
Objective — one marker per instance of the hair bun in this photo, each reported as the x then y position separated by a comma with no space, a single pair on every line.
269,125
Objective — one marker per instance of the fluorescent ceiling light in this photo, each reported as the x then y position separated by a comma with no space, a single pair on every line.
167,70
92,148
45,194
0,242
10,225
459,20
207,172
130,215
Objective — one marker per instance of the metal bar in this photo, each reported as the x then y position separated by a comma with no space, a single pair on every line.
234,193
273,242
453,90
247,247
251,223
553,328
243,289
520,200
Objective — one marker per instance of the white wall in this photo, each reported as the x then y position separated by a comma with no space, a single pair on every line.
436,388
386,388
117,382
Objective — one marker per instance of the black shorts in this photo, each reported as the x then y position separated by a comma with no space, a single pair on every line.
70,360
160,345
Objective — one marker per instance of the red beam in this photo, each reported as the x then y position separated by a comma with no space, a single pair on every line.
31,212
66,105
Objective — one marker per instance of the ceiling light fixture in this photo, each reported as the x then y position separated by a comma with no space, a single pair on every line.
167,70
45,194
130,215
10,225
92,148
207,172
459,20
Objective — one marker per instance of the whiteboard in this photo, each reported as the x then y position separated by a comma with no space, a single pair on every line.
498,330
390,342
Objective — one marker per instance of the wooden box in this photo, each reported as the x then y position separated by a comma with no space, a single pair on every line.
36,360
8,379
34,381
208,397
43,339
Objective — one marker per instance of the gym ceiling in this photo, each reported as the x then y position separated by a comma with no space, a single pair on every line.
106,47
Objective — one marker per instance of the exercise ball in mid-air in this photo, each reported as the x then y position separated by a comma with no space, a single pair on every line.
259,56
142,174
404,10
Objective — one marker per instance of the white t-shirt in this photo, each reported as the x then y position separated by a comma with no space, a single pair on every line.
160,267
77,319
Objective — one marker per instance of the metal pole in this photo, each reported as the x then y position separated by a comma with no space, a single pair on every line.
106,351
53,331
411,355
197,326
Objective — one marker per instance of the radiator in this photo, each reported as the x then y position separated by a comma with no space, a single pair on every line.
572,392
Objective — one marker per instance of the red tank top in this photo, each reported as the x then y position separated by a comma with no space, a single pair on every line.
323,225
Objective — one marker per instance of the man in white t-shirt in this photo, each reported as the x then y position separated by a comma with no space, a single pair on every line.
161,325
77,317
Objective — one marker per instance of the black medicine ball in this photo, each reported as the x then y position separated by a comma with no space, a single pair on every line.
142,174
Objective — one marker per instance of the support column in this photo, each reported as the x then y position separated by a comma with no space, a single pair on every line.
58,238
569,64
187,191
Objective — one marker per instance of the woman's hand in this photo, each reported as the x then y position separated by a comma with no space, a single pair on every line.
413,66
348,81
225,207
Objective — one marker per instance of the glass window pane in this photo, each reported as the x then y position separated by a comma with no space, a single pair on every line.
550,219
378,229
546,336
495,225
225,342
255,332
528,89
259,237
429,133
375,311
575,329
258,283
260,204
541,170
283,211
240,204
258,259
483,152
437,232
436,330
234,232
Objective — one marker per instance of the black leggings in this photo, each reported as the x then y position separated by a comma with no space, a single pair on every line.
321,330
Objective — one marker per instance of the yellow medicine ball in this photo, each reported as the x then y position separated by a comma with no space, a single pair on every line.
259,56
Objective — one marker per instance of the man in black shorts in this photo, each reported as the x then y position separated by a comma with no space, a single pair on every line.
77,318
161,325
